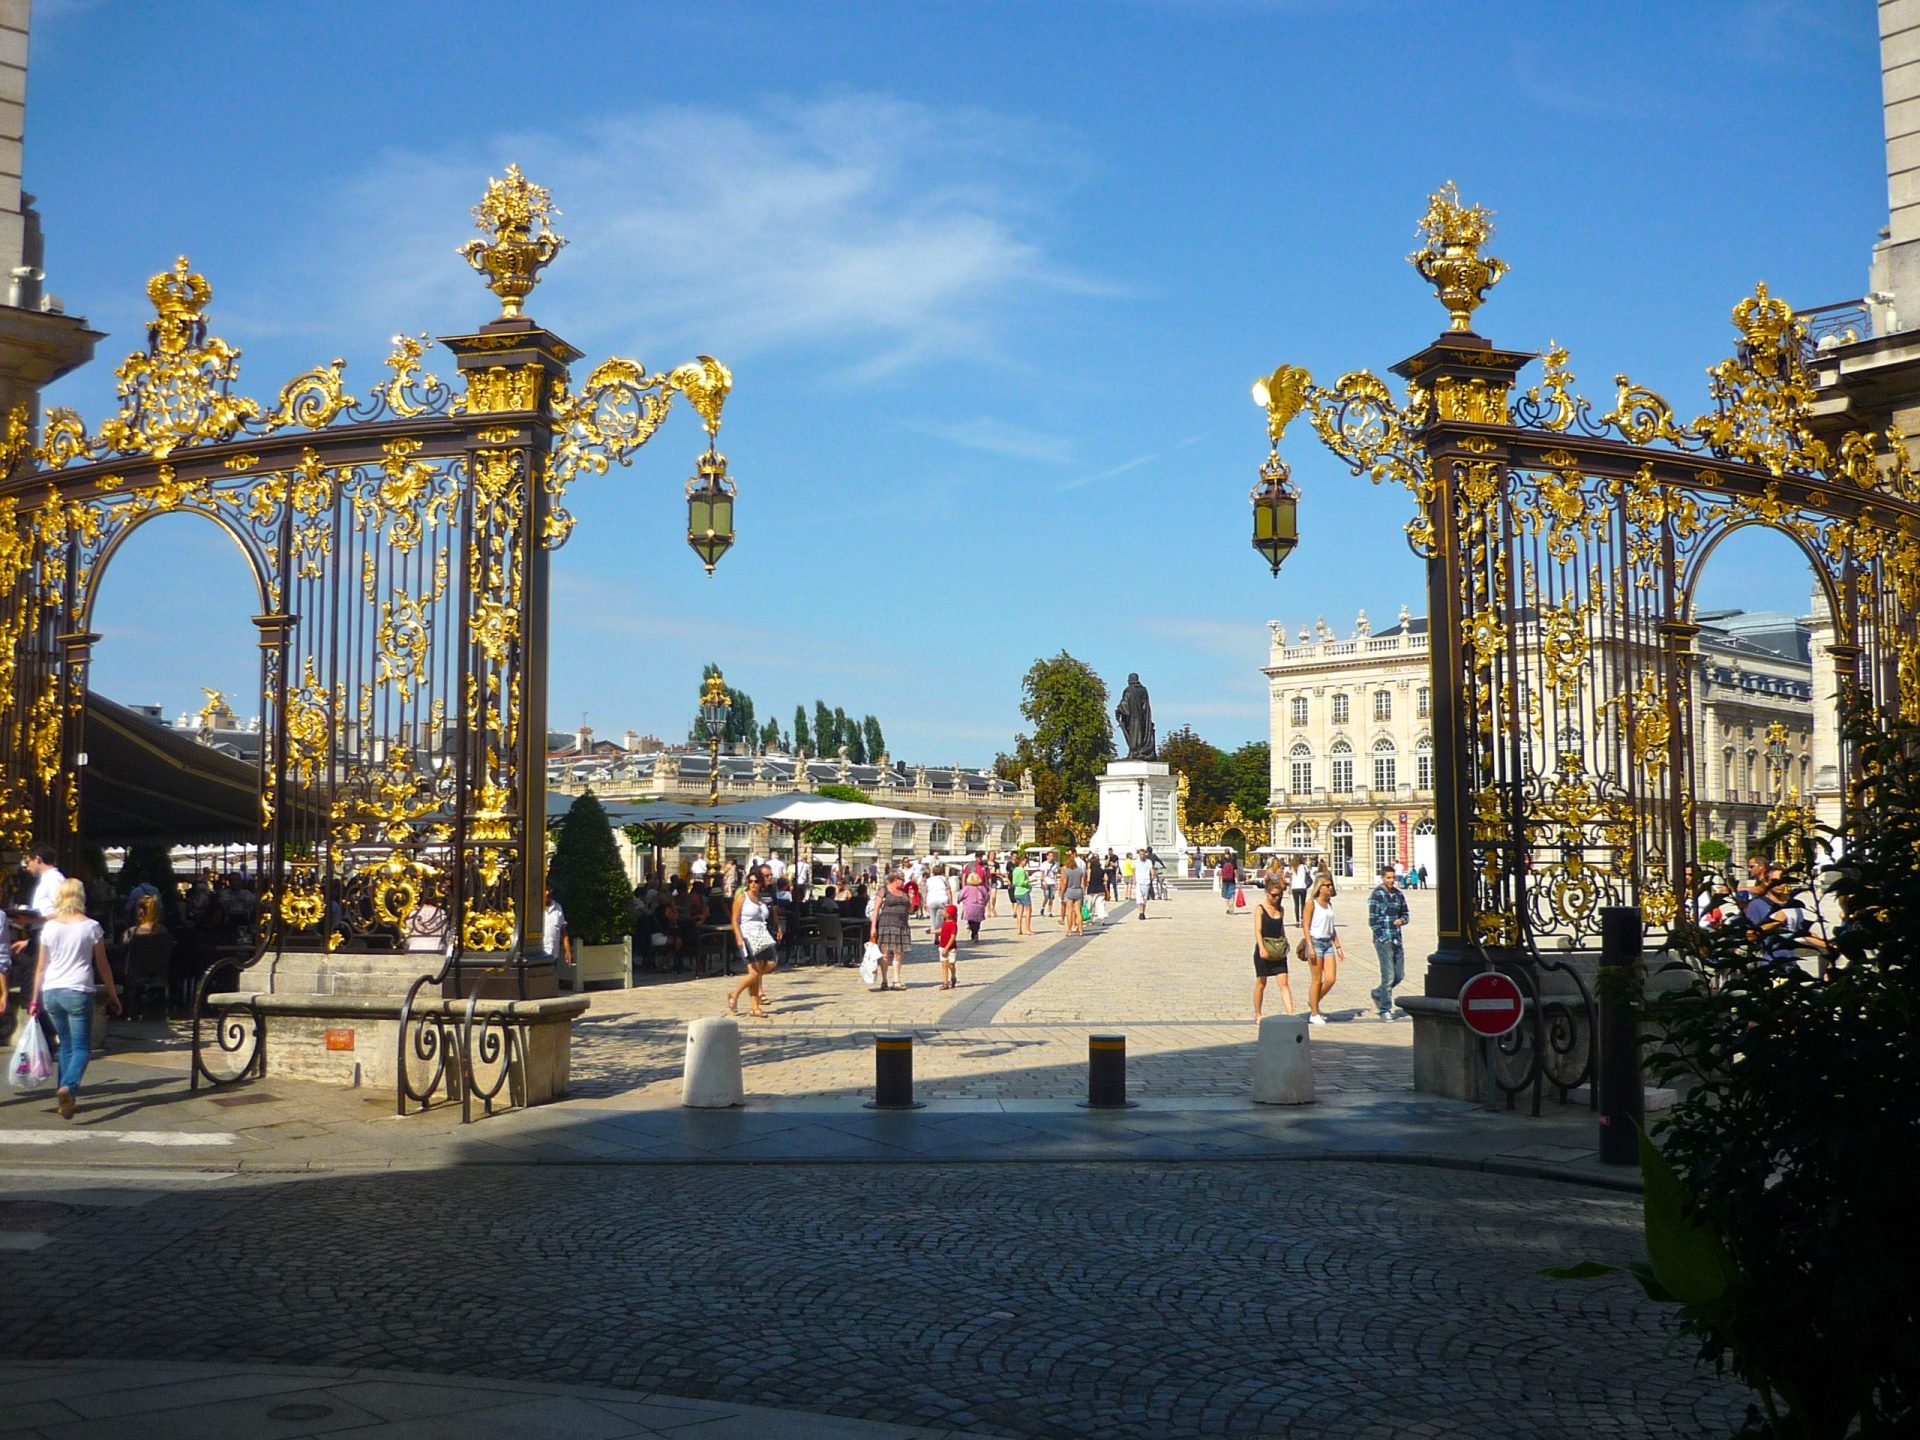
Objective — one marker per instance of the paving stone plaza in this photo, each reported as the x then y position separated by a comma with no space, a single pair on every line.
1000,1263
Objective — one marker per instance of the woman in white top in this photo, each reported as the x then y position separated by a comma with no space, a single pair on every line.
1324,951
73,951
753,933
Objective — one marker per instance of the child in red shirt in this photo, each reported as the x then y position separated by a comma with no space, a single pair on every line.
949,937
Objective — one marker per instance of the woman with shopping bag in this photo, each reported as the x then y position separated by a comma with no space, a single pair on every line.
73,953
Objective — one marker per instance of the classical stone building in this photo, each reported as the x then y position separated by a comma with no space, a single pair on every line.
1351,725
975,809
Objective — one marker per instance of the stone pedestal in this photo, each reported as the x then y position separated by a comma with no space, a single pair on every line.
1139,806
712,1079
1283,1062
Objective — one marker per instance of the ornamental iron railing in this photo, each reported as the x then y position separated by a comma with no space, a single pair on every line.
1564,551
398,546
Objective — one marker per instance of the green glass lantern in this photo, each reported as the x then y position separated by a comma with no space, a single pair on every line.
1276,518
710,510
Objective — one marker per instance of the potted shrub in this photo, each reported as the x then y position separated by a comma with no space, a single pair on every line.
590,884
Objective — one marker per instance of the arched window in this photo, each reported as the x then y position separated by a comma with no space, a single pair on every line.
1383,705
939,835
1300,764
1386,844
974,836
1300,836
1384,764
1425,827
1010,833
1423,763
1339,709
903,831
1297,710
1342,857
1342,768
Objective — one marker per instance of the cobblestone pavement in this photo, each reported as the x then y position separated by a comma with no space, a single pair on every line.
1041,1300
1179,986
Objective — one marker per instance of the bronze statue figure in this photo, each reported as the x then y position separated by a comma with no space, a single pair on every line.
1135,715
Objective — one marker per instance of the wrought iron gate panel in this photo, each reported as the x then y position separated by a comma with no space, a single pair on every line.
1564,549
400,548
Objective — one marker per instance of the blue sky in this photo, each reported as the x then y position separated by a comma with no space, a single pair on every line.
993,279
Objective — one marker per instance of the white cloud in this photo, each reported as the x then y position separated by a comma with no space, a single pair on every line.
997,437
886,233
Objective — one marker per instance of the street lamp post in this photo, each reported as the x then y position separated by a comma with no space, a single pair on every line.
715,705
1276,501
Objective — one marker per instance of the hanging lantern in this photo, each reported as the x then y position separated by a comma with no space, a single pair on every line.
710,510
1276,520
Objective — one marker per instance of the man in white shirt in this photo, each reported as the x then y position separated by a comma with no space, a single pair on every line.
553,933
47,881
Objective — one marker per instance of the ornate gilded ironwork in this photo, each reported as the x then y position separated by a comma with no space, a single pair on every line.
1565,546
398,546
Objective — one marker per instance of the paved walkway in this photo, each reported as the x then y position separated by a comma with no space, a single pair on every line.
1053,1300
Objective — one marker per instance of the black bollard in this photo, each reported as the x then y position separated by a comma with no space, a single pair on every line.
1107,1072
1617,1080
892,1073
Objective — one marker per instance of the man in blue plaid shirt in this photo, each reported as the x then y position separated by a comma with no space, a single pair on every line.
1387,917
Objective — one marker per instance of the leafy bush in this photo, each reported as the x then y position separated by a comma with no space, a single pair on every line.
840,833
587,877
1786,1233
1714,852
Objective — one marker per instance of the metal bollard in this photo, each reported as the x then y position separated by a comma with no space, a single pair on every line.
1617,1081
1107,1073
893,1073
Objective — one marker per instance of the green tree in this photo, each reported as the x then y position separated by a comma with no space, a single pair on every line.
1250,778
1071,742
770,735
802,737
825,735
840,833
846,733
587,877
1209,784
876,742
1714,852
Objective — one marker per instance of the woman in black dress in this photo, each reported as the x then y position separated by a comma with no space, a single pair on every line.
1270,947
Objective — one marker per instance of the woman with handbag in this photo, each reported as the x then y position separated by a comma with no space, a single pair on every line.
753,933
73,953
892,932
1323,959
1270,947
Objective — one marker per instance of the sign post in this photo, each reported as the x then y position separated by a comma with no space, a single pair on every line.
1490,1005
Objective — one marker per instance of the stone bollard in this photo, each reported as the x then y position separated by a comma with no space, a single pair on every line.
712,1080
1283,1062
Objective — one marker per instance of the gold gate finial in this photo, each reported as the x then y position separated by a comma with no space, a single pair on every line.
1450,260
515,217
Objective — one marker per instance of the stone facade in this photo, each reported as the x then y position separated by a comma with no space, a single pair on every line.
1351,726
976,809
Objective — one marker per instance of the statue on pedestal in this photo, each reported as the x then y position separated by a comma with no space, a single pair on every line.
1135,714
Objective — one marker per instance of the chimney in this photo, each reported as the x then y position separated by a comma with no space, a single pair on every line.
630,742
583,739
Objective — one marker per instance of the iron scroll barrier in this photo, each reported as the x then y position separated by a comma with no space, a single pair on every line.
1564,547
399,545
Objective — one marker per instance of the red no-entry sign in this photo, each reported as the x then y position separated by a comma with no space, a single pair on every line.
1490,1004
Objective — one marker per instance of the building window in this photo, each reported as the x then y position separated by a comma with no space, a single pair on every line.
1384,765
1300,762
1386,845
903,831
1423,702
1342,768
1423,763
937,836
1425,827
1297,710
1339,709
1383,705
1342,848
1300,837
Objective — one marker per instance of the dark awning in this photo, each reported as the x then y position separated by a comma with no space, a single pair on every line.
148,783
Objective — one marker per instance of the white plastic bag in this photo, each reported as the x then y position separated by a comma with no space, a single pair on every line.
32,1067
870,964
1100,908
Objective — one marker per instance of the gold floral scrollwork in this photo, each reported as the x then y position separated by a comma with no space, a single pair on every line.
310,401
397,885
180,391
499,388
309,728
1551,403
1449,257
1643,416
402,498
402,640
303,905
489,929
1563,649
401,392
1650,726
706,383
